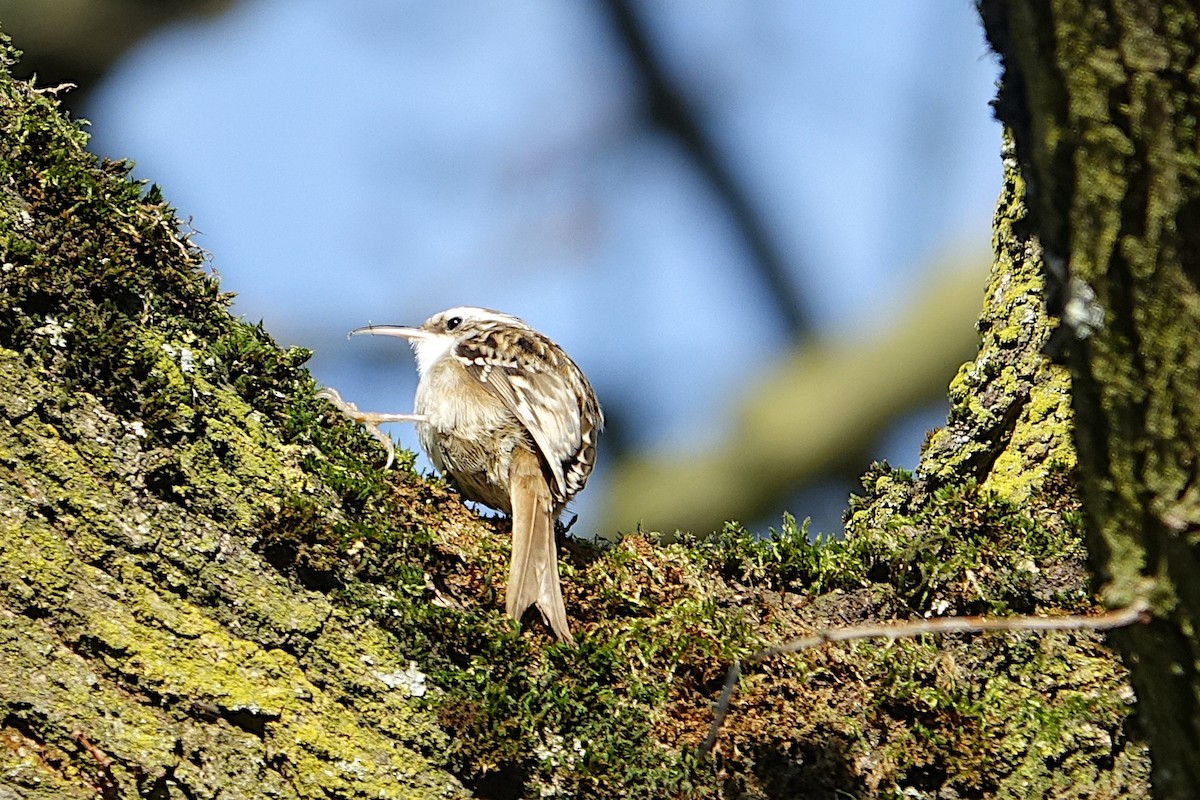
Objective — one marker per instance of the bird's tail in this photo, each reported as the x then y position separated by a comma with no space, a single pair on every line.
533,576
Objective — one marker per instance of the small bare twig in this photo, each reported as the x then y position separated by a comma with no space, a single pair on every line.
1135,612
106,781
55,90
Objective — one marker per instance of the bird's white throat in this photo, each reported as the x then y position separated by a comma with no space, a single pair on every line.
429,349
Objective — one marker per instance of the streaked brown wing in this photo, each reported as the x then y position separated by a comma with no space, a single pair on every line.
545,391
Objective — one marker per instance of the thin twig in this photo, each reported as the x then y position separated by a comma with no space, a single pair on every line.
1135,612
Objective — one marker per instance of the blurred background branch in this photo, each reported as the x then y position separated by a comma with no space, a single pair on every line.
818,410
667,108
77,41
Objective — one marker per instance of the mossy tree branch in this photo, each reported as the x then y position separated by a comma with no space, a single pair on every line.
208,587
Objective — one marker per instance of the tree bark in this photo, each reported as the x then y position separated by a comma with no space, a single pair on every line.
1102,99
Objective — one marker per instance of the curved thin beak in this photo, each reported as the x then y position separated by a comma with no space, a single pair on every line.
392,330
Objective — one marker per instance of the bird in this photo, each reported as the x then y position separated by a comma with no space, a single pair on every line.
512,422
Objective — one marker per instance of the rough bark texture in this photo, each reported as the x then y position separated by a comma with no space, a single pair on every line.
146,648
1103,101
208,587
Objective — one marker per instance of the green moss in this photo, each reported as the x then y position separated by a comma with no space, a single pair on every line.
541,718
980,715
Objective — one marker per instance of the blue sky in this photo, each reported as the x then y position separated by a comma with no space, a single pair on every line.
377,161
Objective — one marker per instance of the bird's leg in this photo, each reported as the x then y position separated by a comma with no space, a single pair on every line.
370,420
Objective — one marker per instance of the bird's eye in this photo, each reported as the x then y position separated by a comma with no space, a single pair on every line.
453,323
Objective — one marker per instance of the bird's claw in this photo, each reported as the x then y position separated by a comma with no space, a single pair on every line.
370,420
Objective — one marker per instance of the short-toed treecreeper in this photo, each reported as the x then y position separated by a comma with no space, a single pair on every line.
510,419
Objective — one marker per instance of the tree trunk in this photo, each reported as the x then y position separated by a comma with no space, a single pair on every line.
1103,101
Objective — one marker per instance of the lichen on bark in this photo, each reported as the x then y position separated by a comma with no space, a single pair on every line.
1010,415
1103,102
